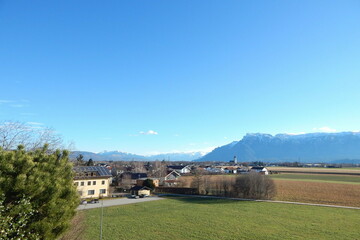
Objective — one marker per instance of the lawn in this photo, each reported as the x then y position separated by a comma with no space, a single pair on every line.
191,218
318,178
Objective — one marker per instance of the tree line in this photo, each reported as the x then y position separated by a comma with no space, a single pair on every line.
251,186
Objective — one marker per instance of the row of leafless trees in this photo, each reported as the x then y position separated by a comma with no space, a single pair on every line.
252,185
13,134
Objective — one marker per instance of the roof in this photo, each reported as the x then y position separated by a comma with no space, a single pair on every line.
138,175
102,171
136,188
173,172
257,167
177,167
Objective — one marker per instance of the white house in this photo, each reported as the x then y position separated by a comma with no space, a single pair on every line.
214,169
261,170
180,169
170,179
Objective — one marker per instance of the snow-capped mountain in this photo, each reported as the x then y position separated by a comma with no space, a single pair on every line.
311,147
122,156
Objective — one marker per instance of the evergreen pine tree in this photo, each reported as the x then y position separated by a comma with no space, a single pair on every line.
46,180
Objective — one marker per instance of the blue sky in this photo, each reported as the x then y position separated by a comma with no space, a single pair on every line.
162,76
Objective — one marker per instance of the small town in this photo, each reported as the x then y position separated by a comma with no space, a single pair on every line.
116,180
181,120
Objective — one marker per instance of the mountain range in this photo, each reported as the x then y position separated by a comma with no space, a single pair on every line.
343,147
122,156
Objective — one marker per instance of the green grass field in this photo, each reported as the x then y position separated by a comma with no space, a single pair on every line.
191,218
318,178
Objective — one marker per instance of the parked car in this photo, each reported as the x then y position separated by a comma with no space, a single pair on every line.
134,196
83,202
94,201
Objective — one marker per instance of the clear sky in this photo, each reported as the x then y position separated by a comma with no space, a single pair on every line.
162,76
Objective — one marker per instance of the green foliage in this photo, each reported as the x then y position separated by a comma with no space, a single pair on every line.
149,183
258,163
80,160
90,162
46,182
14,220
203,219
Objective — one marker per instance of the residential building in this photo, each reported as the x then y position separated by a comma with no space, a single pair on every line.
92,181
261,170
140,190
170,179
180,168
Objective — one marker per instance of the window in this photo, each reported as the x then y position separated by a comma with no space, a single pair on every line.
102,191
103,182
89,183
76,184
94,182
91,192
82,184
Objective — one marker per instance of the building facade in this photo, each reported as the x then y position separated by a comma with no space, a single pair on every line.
92,181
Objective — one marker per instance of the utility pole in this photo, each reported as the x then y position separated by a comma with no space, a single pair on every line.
101,218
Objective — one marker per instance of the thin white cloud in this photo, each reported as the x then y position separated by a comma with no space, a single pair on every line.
17,105
35,123
106,138
28,114
150,132
5,101
324,129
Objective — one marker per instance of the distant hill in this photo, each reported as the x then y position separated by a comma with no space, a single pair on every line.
121,156
341,147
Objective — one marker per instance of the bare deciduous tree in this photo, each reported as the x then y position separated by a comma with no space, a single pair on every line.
138,167
159,169
13,134
198,182
254,186
126,181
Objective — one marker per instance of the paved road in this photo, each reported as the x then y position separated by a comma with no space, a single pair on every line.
116,202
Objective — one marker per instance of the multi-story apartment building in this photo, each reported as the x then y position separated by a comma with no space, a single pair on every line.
92,181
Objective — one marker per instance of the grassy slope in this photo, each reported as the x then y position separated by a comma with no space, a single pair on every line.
318,178
186,218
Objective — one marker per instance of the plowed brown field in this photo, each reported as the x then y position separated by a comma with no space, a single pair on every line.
318,192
